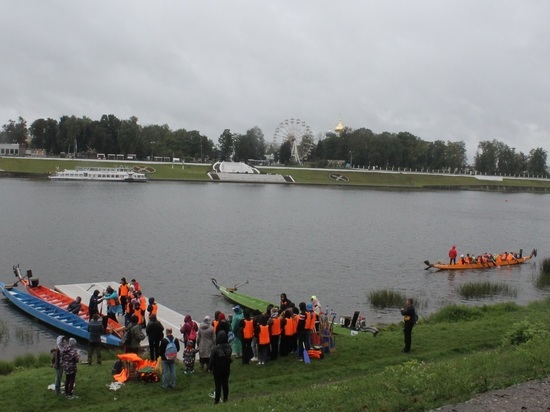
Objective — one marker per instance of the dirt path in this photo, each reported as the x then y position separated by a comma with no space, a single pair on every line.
528,396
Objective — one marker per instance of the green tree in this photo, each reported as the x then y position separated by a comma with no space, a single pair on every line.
486,157
157,139
128,138
536,164
251,145
15,132
455,156
285,152
226,142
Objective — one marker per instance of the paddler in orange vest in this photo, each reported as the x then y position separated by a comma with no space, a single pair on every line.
263,338
287,332
152,308
142,307
247,333
276,325
123,293
303,340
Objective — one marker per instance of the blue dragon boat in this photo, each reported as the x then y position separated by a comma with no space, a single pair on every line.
61,319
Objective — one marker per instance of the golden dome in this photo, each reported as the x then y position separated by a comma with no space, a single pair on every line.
340,127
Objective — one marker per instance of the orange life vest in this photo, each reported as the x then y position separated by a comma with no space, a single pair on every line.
263,337
310,321
123,290
276,327
154,309
248,330
289,327
139,316
295,320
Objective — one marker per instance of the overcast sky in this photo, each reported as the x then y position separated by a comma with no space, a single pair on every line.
465,70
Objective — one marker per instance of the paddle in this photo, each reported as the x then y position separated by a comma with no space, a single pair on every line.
306,355
17,273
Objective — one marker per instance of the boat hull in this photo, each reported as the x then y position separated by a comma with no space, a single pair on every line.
479,265
62,301
241,299
100,174
52,315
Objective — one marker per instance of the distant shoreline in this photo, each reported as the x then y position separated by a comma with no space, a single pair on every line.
35,168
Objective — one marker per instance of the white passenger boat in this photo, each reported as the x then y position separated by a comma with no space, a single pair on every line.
100,174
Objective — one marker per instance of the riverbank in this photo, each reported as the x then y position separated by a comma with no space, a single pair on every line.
411,180
456,354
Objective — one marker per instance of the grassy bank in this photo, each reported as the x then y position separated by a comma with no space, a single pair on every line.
457,352
42,167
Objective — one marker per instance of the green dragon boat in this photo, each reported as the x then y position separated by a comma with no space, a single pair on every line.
243,300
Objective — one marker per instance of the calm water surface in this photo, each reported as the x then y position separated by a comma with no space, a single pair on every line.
338,244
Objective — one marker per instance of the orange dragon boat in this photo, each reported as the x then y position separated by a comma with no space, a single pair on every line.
481,263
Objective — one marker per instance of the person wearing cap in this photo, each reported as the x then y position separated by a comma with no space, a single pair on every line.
237,345
70,359
154,331
205,342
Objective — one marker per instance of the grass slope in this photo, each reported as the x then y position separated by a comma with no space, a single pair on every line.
456,353
168,171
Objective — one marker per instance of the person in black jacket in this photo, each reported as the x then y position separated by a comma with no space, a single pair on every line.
220,365
96,329
154,330
409,317
93,306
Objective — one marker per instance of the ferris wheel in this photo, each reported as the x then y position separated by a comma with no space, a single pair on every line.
298,134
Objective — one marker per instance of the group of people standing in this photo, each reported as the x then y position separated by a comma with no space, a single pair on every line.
64,359
484,258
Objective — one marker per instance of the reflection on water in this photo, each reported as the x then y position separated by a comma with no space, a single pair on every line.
336,244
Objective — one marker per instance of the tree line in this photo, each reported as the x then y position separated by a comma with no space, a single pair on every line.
361,148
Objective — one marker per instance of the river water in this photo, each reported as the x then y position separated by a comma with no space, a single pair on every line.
336,243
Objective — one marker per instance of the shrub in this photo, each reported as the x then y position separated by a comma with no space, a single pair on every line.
456,313
4,332
524,332
543,279
6,368
386,298
26,361
480,289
